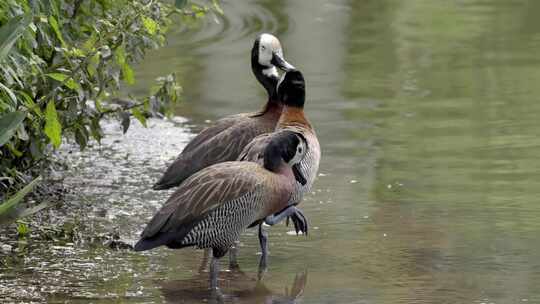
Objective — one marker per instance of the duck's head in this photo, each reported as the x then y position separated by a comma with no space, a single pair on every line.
291,89
266,58
286,147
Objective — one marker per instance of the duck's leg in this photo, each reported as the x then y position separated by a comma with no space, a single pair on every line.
297,216
217,253
300,224
216,297
204,262
233,256
214,271
263,241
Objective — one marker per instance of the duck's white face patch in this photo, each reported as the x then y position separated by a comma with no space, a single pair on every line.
268,44
301,150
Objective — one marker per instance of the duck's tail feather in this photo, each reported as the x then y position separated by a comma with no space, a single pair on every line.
153,242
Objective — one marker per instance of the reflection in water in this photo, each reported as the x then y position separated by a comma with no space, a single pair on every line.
235,287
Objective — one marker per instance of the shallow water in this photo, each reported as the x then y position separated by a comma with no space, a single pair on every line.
427,116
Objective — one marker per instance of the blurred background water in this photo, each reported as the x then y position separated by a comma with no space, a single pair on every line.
427,113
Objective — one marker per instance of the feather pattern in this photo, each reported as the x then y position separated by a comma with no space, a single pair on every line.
219,126
219,143
212,207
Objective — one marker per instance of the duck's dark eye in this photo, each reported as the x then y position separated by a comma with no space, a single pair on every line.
263,47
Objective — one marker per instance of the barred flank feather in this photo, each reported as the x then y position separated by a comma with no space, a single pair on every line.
223,226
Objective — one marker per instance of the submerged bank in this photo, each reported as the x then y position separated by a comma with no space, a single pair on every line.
68,251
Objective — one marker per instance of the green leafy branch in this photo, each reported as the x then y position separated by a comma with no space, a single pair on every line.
62,64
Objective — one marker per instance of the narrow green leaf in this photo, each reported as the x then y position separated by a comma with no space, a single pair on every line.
150,25
120,55
22,134
13,150
17,198
22,229
9,92
89,44
129,76
75,52
139,115
66,80
10,32
127,71
98,105
53,129
30,104
92,64
9,124
52,7
54,24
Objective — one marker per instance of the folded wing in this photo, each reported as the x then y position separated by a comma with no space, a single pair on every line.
210,148
195,198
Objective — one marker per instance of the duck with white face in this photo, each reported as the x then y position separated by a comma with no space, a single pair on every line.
266,57
225,139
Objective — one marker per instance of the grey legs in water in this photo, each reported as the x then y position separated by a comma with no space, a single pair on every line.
214,272
300,225
233,255
296,215
216,294
263,241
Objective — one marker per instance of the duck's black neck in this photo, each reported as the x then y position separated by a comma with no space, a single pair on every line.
268,82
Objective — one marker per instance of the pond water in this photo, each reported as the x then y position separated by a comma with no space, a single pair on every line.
427,114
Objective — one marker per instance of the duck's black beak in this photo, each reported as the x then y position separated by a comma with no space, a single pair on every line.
298,175
278,61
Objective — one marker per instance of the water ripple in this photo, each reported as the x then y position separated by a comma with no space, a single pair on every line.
241,21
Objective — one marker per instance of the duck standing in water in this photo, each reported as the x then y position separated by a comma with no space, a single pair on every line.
292,94
227,137
211,208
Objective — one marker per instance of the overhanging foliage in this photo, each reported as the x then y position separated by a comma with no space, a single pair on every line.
62,63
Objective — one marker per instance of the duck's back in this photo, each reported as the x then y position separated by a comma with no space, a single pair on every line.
215,144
